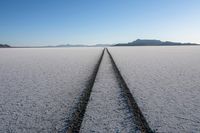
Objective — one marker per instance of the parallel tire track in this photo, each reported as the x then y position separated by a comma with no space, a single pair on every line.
78,114
138,116
108,110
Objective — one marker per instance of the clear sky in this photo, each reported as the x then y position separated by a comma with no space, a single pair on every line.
54,22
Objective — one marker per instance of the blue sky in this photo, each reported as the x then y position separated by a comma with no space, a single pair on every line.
53,22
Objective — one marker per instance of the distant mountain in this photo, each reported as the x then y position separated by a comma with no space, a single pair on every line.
4,46
138,42
70,45
144,42
101,45
80,45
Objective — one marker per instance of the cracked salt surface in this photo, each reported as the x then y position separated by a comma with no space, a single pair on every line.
39,87
165,81
107,110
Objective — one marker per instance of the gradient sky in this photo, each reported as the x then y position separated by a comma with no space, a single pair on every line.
54,22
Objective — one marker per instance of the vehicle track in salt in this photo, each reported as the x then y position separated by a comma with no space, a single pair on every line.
139,119
73,125
107,104
107,110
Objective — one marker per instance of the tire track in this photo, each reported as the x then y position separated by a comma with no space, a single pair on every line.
77,116
75,122
140,120
107,110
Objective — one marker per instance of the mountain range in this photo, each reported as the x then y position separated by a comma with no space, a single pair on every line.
4,46
146,42
138,42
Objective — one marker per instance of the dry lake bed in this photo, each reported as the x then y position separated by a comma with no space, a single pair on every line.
117,89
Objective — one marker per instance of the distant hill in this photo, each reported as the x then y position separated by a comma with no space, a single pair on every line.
69,45
138,42
4,46
144,42
101,45
80,45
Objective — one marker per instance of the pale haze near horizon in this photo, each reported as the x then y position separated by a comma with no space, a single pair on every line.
53,22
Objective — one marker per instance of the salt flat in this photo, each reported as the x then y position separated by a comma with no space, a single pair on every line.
165,81
39,87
